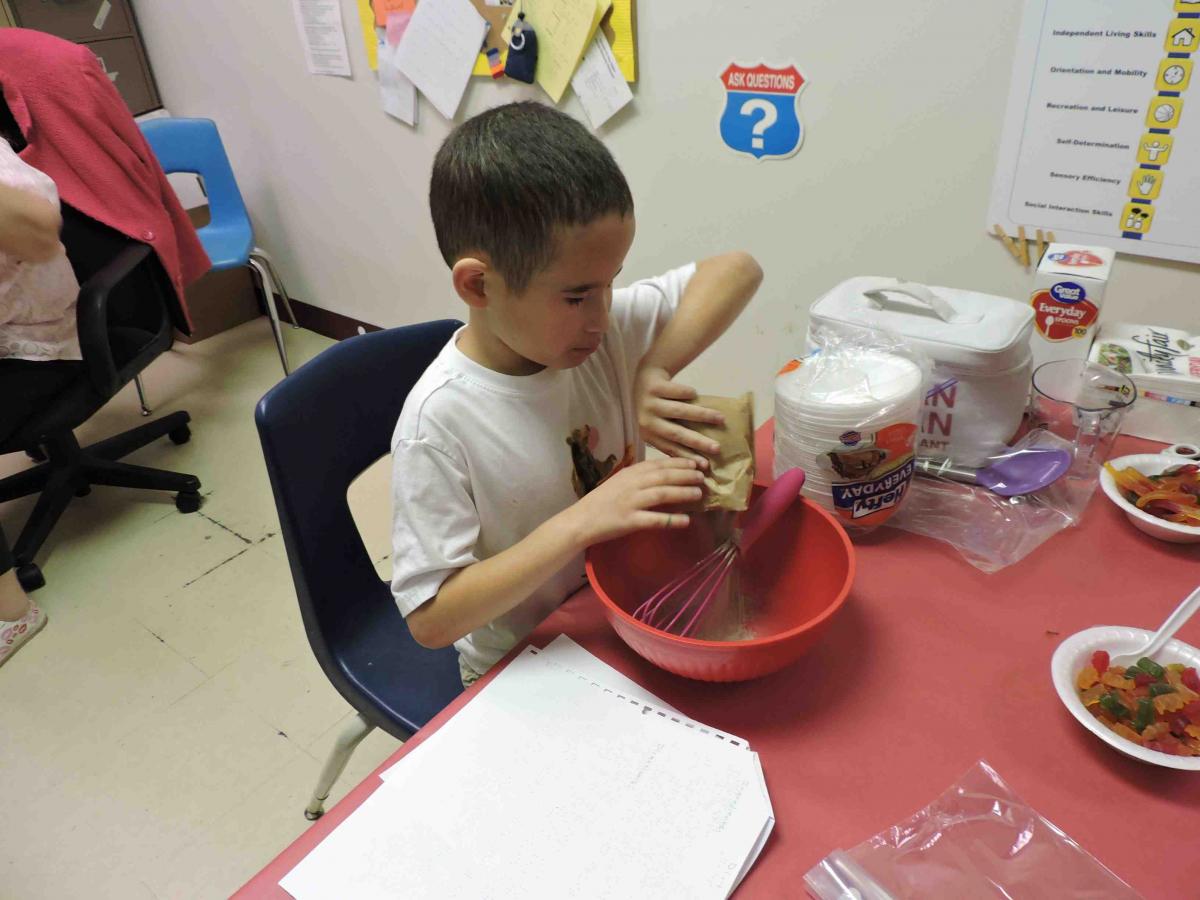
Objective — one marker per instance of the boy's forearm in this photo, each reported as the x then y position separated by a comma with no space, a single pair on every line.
480,593
715,296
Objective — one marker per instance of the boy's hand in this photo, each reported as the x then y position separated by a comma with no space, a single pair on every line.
661,404
628,501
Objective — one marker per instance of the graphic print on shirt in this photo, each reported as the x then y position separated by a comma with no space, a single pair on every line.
587,471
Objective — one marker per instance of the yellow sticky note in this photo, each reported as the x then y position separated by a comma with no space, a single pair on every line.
622,42
366,15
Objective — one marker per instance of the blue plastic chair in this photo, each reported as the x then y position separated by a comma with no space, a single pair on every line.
320,428
194,145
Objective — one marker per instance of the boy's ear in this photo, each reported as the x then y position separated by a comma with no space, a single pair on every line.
469,280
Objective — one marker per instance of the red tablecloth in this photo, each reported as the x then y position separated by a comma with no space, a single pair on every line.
929,667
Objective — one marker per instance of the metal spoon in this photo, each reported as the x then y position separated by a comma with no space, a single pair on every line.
1174,622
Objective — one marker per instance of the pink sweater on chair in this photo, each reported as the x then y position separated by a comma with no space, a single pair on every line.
80,133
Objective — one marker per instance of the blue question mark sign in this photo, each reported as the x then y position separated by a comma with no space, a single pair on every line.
760,115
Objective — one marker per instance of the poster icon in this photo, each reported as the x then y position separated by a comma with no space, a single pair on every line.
1136,218
1174,75
1145,184
1164,112
760,115
1155,149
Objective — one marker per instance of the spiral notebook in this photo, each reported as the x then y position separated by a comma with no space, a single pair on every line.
550,783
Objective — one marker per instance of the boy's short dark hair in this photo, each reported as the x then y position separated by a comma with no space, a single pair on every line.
504,181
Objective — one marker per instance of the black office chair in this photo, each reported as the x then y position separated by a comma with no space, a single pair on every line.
124,319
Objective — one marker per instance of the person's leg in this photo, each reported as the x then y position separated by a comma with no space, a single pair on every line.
13,601
20,618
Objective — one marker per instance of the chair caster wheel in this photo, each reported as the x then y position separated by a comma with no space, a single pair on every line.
30,577
37,454
180,435
313,816
187,501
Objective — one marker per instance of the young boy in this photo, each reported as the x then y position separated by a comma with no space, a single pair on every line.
518,447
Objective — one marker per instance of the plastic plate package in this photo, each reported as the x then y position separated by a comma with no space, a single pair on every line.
990,531
978,840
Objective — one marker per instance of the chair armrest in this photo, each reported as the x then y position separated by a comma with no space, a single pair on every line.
92,316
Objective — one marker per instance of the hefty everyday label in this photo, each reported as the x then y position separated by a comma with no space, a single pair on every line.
1063,312
870,478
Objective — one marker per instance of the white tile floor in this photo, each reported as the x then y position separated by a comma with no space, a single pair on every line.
161,737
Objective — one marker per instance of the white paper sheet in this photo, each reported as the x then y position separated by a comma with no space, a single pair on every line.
599,84
546,786
439,48
568,655
323,36
397,95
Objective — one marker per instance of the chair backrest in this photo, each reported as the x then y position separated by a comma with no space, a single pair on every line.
194,145
139,306
321,427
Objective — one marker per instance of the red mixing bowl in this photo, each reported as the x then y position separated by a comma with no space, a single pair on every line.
800,572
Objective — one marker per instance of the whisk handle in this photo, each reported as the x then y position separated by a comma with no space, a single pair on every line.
770,506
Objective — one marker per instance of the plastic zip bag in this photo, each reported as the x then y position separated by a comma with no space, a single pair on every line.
977,840
990,531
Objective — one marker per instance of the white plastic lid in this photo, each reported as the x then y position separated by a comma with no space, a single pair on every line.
871,382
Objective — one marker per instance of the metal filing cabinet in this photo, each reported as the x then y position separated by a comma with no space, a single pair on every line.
107,27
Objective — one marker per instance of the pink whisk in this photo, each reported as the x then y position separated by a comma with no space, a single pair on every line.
687,597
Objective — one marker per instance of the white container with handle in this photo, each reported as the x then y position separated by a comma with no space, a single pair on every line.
979,346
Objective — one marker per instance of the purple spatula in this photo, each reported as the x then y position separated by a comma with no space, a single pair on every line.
1018,473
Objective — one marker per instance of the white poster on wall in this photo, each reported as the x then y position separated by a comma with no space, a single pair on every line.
1101,140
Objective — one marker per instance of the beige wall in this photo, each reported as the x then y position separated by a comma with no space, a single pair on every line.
902,112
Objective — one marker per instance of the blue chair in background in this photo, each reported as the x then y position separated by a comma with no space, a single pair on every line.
194,145
320,429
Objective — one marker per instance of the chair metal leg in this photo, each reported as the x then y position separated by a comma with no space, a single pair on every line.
350,738
283,291
268,288
141,392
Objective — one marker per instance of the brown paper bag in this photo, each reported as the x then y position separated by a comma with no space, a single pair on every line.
727,483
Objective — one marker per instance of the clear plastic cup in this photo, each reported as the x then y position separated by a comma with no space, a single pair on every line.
1083,403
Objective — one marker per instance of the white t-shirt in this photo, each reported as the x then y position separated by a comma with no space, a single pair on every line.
37,300
481,459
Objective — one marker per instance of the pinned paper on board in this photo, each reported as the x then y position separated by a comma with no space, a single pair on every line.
439,49
323,37
565,29
397,95
366,18
621,30
599,82
385,8
760,116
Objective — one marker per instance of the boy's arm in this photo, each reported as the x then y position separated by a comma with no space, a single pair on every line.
486,590
713,298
